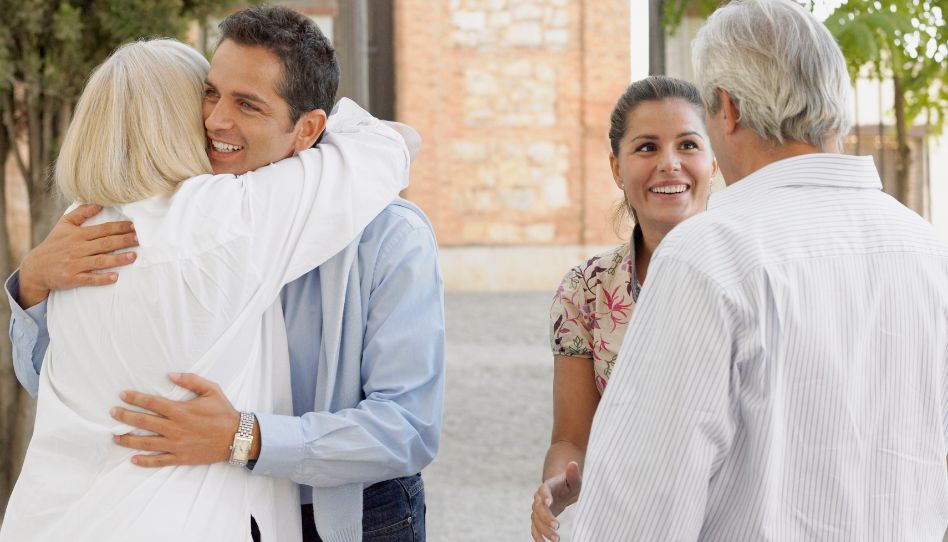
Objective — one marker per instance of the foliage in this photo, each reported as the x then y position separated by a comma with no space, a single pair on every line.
56,43
47,50
904,39
673,11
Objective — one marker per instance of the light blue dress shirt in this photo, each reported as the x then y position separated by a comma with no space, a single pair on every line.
366,340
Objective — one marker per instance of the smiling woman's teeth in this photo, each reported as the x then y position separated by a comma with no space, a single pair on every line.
673,189
224,147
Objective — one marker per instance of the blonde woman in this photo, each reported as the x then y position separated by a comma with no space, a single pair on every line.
214,252
661,160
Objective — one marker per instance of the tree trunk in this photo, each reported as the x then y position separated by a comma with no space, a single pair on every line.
905,192
9,388
46,208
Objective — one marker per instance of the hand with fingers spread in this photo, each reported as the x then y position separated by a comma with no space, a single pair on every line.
71,255
194,432
551,498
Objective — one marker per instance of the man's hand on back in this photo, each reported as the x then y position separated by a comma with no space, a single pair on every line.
70,256
195,432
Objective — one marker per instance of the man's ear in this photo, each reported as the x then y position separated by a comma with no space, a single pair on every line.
308,129
732,116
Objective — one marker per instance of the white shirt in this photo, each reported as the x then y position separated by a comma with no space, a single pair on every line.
784,374
202,297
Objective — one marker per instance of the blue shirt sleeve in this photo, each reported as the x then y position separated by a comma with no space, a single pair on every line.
29,335
396,429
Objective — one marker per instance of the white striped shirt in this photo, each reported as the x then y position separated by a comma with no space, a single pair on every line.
784,374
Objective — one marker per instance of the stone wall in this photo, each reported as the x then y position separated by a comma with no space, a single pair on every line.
512,99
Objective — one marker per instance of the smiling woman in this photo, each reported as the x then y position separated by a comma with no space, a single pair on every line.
662,162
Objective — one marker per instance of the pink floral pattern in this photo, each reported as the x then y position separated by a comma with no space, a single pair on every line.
591,310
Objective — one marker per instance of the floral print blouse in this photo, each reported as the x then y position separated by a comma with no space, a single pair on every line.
592,306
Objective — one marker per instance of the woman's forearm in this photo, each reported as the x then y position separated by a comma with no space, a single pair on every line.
559,455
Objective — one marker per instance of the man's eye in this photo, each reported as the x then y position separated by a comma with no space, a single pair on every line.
247,106
210,93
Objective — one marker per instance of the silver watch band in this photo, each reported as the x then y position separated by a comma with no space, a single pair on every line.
245,429
243,440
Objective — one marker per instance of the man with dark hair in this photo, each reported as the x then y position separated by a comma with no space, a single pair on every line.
310,69
365,329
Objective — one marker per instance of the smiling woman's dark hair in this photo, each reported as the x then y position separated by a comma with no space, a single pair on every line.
652,88
310,68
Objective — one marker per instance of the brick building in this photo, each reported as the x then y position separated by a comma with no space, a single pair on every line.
512,99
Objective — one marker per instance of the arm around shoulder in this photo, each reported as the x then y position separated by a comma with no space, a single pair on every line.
307,208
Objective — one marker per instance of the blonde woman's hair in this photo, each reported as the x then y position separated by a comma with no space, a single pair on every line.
137,130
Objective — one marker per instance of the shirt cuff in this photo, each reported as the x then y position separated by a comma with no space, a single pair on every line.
281,445
31,320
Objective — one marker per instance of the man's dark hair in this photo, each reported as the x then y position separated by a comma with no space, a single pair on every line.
310,69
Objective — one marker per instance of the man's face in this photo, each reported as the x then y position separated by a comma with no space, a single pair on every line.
247,122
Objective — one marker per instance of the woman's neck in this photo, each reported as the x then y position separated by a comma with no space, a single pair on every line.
650,239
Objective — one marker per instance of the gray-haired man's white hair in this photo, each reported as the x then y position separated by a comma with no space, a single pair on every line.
782,68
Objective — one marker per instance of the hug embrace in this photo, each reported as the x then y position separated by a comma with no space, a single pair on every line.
765,362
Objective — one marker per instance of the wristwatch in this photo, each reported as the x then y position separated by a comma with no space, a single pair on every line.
243,441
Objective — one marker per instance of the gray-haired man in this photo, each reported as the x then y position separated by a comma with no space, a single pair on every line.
784,374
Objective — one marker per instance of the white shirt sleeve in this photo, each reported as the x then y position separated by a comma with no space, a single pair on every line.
667,417
307,208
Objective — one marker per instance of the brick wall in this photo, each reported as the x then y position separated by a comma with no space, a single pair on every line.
512,99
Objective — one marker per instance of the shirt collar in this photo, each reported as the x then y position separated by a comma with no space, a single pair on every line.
635,241
818,169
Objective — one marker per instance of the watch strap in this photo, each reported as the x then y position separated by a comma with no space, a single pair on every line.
243,440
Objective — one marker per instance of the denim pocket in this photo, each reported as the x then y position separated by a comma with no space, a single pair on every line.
394,511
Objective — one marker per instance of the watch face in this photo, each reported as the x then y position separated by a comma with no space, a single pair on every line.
242,448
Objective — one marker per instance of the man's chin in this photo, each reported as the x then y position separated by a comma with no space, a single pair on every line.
224,168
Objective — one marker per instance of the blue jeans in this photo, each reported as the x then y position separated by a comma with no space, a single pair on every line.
392,511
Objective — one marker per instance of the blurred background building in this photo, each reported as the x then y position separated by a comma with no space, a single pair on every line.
512,99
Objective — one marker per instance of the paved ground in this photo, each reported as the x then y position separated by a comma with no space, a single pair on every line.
497,418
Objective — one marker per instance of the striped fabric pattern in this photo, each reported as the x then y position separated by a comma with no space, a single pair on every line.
785,373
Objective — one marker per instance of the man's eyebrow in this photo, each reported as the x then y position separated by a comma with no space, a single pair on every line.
249,97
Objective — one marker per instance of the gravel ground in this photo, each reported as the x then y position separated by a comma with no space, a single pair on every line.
497,418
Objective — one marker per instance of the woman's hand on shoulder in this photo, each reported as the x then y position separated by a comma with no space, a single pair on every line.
550,499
